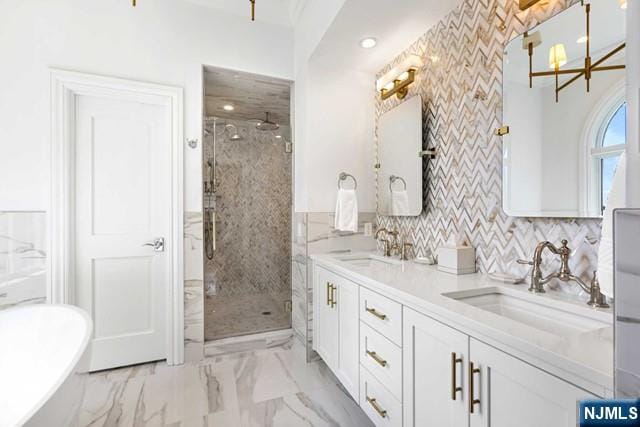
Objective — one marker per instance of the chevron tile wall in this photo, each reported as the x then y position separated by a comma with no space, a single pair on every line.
461,87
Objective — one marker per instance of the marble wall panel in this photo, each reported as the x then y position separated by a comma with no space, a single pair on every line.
23,258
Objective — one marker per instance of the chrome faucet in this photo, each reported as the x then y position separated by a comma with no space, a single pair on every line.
564,274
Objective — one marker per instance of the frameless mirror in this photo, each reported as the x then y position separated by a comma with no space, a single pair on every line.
399,172
560,154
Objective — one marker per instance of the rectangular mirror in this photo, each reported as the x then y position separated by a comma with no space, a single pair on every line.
399,173
560,155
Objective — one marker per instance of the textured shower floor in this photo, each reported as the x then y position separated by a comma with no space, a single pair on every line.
230,316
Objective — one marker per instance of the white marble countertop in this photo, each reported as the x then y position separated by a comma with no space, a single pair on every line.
584,359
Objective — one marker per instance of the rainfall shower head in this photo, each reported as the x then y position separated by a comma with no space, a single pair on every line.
267,125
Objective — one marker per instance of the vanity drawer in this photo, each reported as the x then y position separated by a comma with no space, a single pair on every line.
378,402
382,314
382,358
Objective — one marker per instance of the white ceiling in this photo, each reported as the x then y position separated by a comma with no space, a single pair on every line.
278,12
250,94
395,24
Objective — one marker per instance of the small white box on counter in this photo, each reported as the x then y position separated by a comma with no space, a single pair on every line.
457,259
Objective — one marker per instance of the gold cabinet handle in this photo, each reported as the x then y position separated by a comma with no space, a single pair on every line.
380,361
328,293
333,296
376,313
377,407
454,381
472,400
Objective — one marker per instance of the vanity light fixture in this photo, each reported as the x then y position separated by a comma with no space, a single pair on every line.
397,80
582,40
526,4
558,58
368,43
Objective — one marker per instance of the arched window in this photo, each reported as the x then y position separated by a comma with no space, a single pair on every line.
603,142
608,147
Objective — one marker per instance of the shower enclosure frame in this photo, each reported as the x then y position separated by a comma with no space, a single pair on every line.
288,147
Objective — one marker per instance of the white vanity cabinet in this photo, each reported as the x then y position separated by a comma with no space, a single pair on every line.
511,392
439,383
405,368
336,324
435,364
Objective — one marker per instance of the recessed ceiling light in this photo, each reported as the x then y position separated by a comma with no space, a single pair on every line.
582,40
279,136
368,43
228,107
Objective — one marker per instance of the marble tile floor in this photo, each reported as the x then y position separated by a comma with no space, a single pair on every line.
234,315
270,387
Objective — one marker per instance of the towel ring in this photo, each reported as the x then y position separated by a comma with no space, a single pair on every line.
343,176
393,179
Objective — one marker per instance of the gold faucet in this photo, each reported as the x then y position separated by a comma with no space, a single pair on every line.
596,299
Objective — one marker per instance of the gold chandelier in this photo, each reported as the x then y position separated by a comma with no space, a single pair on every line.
558,58
253,8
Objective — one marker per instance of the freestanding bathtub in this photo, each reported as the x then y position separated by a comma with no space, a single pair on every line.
44,352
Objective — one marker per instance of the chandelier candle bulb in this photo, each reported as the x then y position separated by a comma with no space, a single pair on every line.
557,56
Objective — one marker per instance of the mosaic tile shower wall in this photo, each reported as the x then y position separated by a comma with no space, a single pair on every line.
248,280
462,95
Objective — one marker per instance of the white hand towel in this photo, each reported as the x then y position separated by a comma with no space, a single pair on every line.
347,211
616,200
399,202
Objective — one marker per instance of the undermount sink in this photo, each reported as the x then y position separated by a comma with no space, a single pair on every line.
540,312
365,260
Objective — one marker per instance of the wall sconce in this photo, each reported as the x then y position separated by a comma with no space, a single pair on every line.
397,80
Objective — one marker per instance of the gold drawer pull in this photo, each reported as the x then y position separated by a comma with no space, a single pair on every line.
378,359
472,400
377,407
328,293
376,313
333,296
454,382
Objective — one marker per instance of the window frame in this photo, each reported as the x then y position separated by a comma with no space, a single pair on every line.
599,152
592,151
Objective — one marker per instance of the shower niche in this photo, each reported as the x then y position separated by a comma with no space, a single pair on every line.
247,185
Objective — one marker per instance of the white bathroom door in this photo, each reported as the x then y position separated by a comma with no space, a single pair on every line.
122,208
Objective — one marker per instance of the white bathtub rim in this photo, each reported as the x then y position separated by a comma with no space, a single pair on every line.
70,368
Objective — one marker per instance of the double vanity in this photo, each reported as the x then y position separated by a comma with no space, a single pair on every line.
416,346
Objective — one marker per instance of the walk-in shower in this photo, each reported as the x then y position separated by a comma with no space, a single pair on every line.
247,185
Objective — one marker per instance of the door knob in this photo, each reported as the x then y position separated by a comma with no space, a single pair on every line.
156,244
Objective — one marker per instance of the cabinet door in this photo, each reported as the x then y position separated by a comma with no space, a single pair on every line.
325,318
347,302
435,364
514,393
